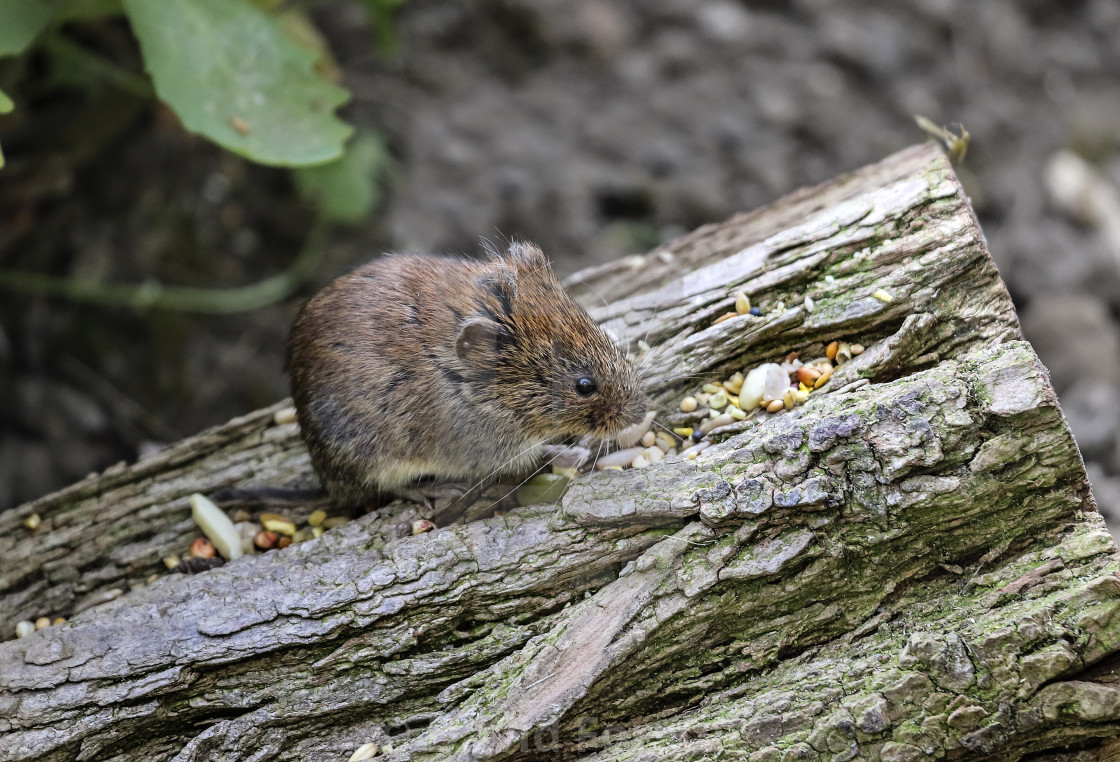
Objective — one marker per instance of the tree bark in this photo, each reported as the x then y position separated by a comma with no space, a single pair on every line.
908,565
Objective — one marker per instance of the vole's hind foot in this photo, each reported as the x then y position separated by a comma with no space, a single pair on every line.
434,497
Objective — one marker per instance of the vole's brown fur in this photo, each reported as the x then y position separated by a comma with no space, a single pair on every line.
452,369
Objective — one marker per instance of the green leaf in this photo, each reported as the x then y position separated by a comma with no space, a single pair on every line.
347,190
232,75
20,23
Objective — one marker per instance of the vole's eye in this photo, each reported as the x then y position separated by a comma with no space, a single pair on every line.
586,386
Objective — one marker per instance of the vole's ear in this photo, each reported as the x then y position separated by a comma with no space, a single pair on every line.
479,342
528,256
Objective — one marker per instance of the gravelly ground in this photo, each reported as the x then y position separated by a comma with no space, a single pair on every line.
597,129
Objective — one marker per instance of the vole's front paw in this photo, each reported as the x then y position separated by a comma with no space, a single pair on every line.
565,456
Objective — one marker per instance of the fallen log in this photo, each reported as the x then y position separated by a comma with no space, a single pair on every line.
907,565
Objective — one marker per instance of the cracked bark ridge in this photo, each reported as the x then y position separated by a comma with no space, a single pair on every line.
908,565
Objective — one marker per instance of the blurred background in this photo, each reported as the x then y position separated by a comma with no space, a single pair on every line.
597,128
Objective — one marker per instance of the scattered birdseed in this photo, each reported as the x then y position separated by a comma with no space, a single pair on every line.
649,439
276,523
718,400
216,525
725,316
807,375
32,522
171,561
712,424
201,548
317,517
696,449
831,350
857,349
756,311
62,619
742,303
688,404
265,540
736,413
24,628
883,296
365,751
617,458
284,415
683,431
639,462
825,375
335,521
284,541
809,304
420,526
41,622
631,435
774,406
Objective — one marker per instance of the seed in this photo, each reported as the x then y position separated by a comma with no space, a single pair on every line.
712,424
883,296
202,548
639,462
215,524
284,541
567,473
683,431
284,415
317,517
857,349
742,303
274,522
802,395
420,526
688,404
831,350
711,389
240,125
335,521
692,452
41,622
718,400
302,535
754,386
844,353
619,458
315,532
266,540
827,374
736,413
756,311
631,435
365,751
775,406
725,316
809,304
665,442
24,628
171,561
735,383
649,439
789,398
654,454
807,375
32,522
777,381
62,619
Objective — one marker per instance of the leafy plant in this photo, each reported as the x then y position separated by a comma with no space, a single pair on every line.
227,68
